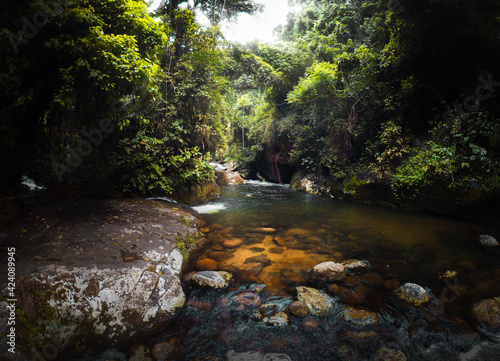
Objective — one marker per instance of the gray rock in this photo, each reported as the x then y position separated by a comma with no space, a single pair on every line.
92,274
327,272
412,293
488,241
212,279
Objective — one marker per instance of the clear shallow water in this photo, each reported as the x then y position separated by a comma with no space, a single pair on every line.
417,248
289,232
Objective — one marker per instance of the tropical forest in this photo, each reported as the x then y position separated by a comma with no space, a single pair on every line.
170,193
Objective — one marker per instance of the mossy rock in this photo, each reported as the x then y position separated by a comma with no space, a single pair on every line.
198,194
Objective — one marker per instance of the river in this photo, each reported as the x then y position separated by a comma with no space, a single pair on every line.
281,234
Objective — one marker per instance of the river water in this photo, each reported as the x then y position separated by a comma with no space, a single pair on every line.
313,229
281,233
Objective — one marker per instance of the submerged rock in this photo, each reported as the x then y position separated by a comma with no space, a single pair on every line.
387,354
256,356
267,230
448,275
279,241
412,293
247,299
254,268
232,243
356,265
391,284
206,264
262,259
354,294
362,339
140,353
212,279
167,350
257,249
219,257
327,272
319,303
487,312
300,233
359,316
310,324
277,250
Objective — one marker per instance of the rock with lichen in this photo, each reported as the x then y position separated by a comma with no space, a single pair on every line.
212,279
318,302
359,316
487,312
412,293
93,274
327,272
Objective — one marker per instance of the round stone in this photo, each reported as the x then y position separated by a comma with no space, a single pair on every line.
488,241
488,312
298,308
412,293
327,272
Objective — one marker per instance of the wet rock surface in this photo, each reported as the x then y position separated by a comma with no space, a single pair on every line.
327,272
318,302
487,313
412,293
227,177
212,279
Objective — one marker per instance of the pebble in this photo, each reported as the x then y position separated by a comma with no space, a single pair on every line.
298,308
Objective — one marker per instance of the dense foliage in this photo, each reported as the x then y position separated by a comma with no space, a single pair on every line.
103,94
400,91
98,94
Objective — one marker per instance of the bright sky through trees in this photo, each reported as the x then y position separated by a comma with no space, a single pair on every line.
260,26
252,27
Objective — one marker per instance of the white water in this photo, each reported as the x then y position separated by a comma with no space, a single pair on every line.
210,208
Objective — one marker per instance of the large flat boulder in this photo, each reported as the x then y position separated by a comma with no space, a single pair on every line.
96,274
